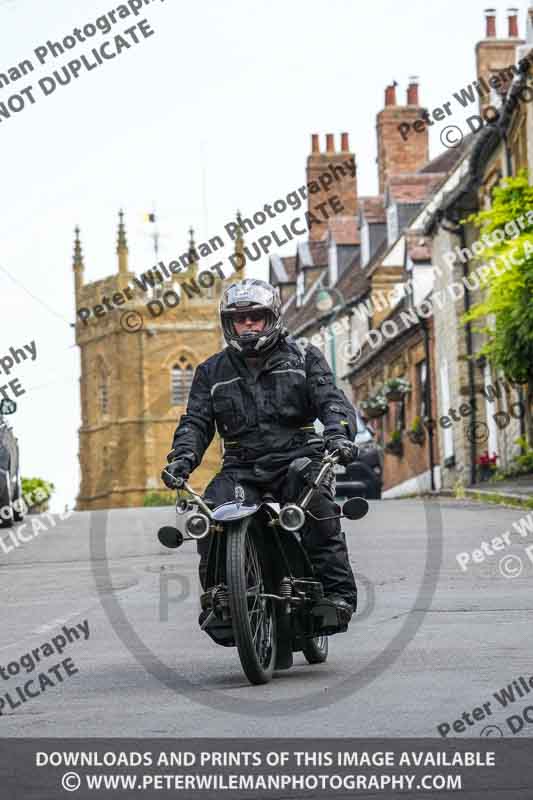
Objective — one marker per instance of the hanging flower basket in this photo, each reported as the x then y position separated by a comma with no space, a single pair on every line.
395,445
375,412
375,406
417,434
395,389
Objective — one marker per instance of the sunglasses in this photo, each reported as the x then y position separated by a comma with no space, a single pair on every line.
253,316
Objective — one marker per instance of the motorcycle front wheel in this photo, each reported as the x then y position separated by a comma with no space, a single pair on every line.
253,617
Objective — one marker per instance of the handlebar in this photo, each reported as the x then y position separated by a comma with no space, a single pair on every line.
178,482
329,460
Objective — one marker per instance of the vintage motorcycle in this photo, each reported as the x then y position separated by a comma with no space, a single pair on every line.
263,596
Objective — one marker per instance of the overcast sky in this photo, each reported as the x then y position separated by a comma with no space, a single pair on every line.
212,112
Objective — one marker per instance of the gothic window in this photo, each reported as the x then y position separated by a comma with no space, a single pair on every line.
182,374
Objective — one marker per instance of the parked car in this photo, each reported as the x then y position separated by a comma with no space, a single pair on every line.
364,476
10,481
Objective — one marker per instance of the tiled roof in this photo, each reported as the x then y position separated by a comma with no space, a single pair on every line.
373,208
289,262
368,352
446,161
314,253
343,230
277,270
354,281
296,317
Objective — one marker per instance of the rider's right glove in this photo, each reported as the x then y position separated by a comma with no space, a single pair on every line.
179,468
346,449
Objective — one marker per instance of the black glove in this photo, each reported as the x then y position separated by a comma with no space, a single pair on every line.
346,450
178,468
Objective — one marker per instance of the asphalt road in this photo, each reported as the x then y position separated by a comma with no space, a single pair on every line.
431,641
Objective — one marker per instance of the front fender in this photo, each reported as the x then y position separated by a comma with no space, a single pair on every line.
231,510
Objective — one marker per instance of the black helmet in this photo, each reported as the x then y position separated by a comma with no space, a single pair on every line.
244,296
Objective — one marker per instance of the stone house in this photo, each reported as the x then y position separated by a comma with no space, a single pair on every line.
500,149
405,236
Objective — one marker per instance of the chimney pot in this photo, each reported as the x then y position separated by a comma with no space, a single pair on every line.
330,144
513,22
345,144
490,14
412,92
315,143
390,94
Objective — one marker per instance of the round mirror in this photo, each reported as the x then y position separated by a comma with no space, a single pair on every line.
170,537
355,508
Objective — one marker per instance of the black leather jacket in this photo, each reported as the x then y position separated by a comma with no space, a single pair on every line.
269,412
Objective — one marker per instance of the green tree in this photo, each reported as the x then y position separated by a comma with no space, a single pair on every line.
37,491
507,307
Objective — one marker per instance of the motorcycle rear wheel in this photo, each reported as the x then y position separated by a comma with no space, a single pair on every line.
315,650
253,618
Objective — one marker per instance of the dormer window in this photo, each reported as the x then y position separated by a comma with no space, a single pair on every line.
300,288
393,227
365,244
333,267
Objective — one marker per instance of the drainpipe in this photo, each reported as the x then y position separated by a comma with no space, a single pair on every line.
428,403
521,395
459,231
471,366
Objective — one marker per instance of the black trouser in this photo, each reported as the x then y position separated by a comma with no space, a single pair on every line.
324,542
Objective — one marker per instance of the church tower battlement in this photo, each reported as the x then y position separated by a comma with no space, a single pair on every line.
136,371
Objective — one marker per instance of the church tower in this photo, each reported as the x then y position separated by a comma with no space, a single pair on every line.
139,348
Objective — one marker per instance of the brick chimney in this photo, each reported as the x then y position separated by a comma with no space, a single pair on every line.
496,57
396,156
490,23
332,173
512,22
412,92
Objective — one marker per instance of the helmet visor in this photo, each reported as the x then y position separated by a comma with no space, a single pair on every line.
254,315
243,296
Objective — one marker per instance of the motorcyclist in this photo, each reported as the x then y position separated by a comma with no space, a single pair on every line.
264,392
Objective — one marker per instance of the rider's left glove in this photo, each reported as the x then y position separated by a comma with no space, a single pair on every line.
347,450
180,467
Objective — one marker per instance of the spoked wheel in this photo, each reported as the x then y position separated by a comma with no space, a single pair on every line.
315,650
253,617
